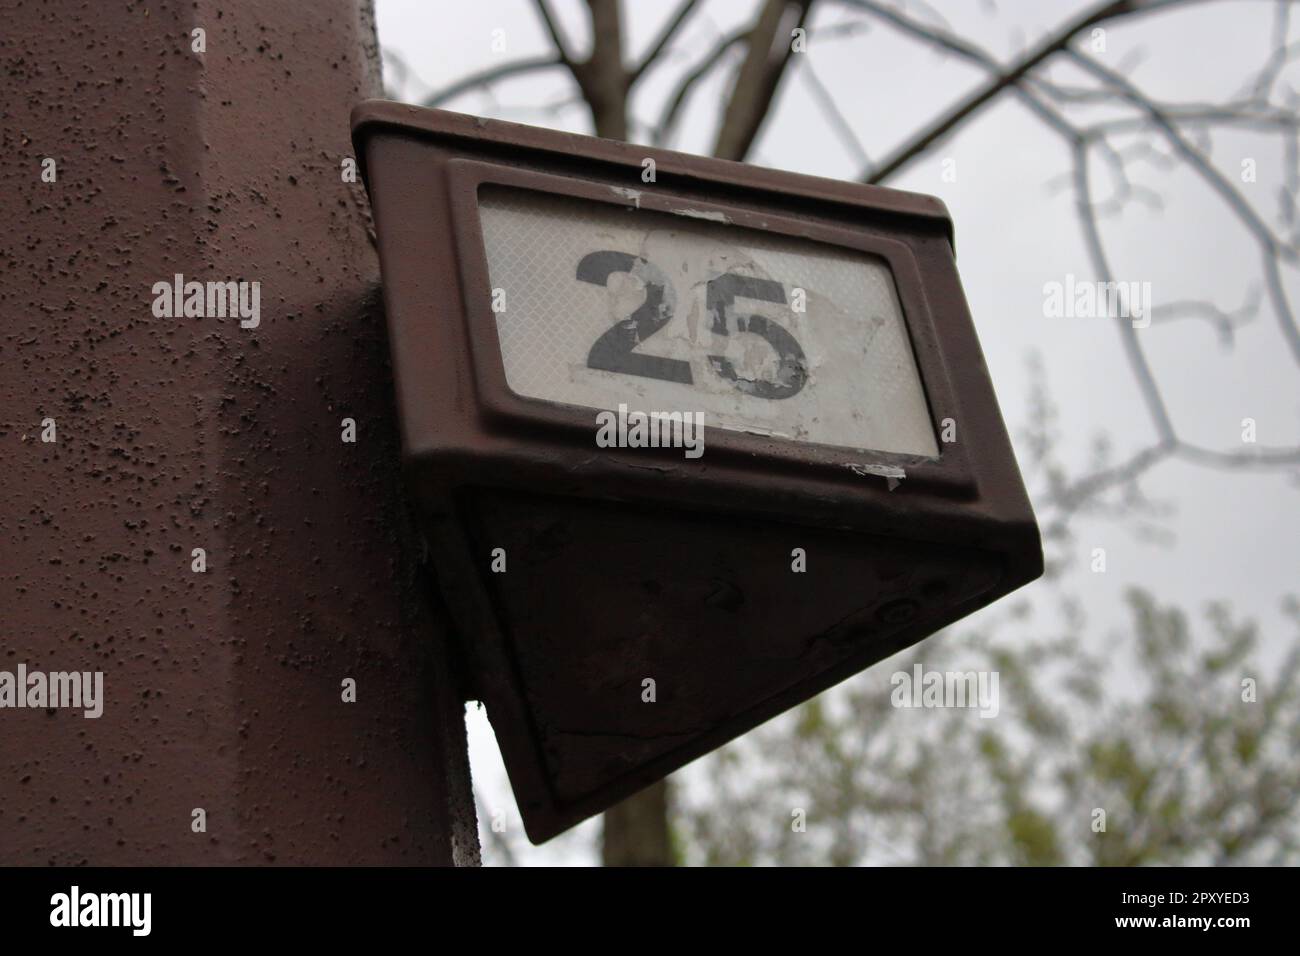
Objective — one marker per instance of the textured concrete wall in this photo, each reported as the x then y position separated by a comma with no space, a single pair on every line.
223,689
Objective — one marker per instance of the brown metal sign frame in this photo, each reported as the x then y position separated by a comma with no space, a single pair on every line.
464,429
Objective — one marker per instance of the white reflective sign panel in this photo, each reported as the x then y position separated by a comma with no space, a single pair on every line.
599,305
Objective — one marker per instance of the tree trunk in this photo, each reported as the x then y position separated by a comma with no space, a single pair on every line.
636,831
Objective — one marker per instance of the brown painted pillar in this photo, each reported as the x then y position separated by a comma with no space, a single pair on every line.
223,688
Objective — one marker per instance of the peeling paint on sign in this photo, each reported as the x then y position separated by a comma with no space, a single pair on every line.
702,214
632,194
891,473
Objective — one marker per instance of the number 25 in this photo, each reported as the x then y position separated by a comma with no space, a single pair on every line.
615,350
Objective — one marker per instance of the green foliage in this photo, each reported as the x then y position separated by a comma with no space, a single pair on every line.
1185,768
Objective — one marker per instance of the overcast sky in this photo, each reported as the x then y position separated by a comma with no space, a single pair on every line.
1233,535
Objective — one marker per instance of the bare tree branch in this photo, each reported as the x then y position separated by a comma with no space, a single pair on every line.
1128,334
557,39
1010,77
1071,498
1167,444
602,77
757,79
1271,248
839,123
1257,457
487,77
1223,321
672,110
665,37
1228,114
1165,118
